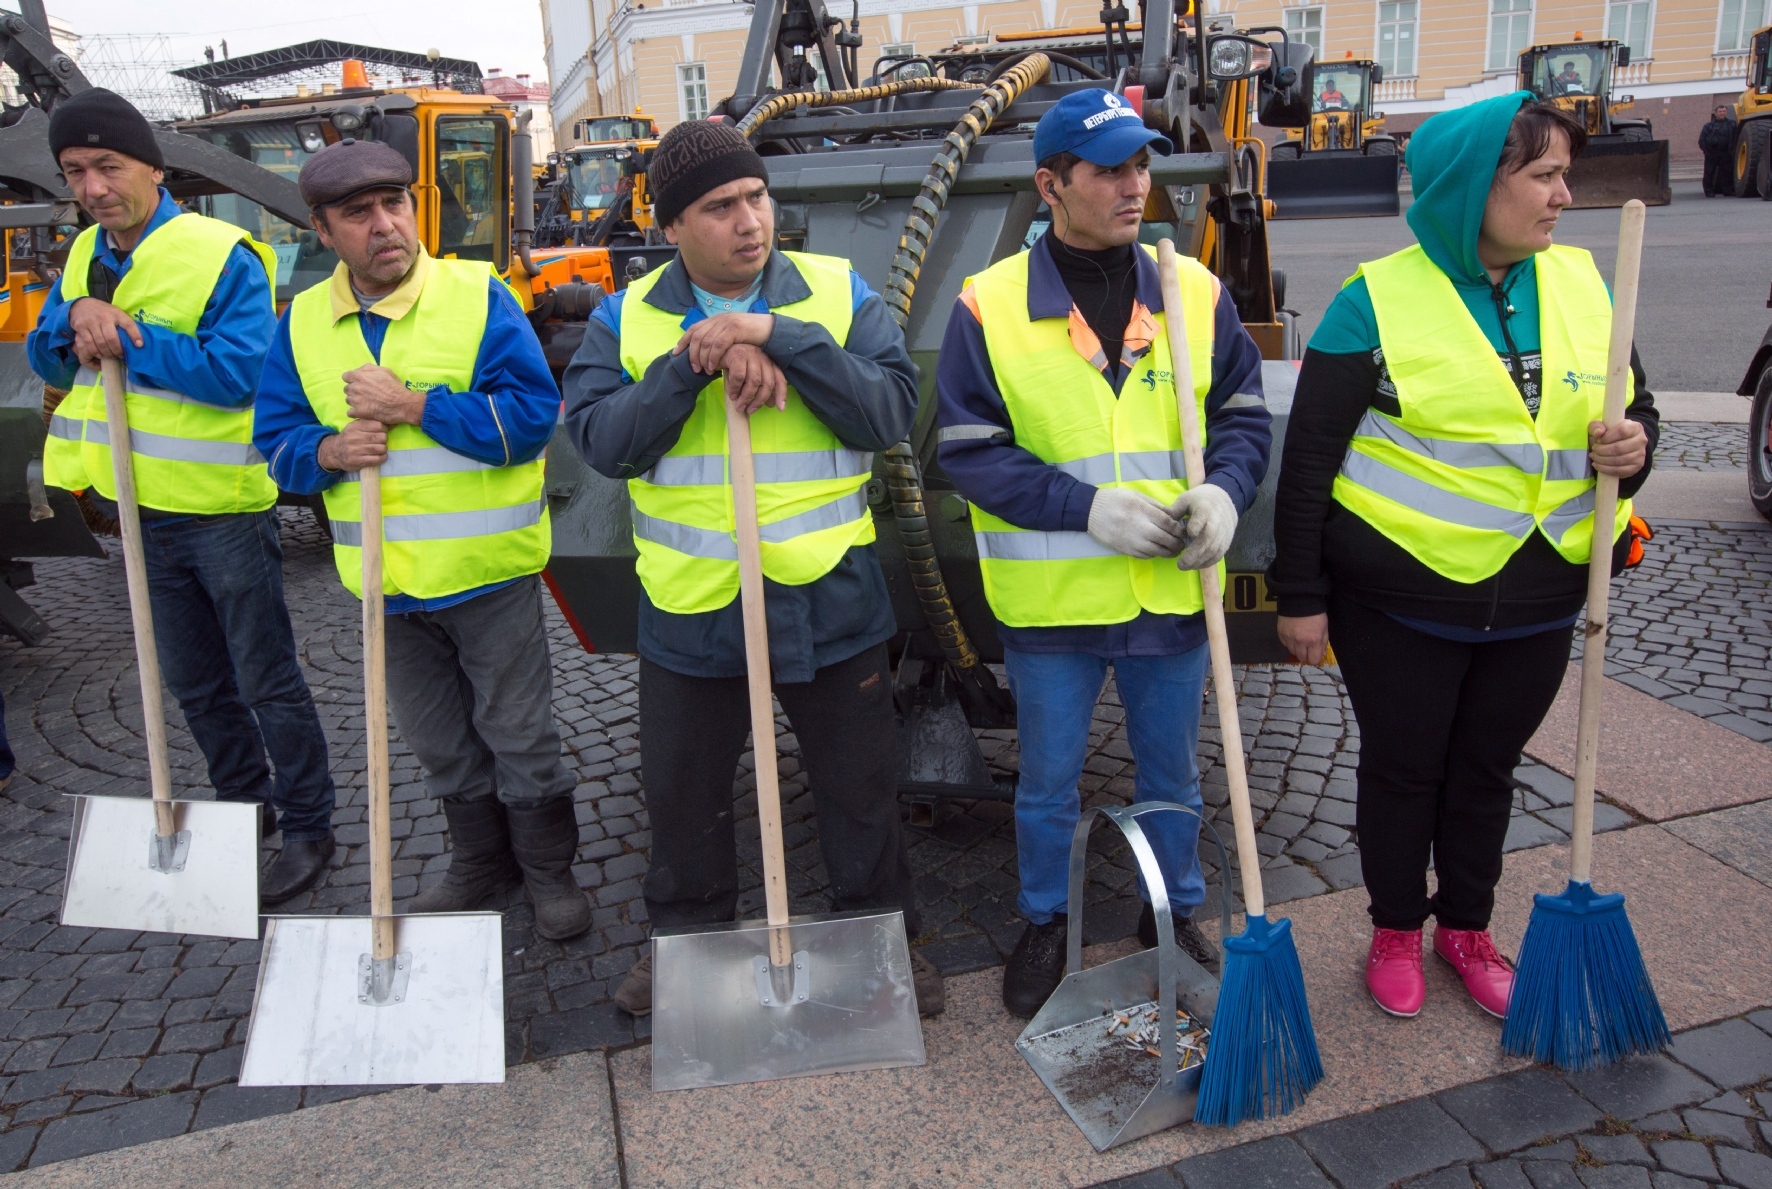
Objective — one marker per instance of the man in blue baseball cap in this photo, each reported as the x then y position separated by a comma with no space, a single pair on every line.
1058,422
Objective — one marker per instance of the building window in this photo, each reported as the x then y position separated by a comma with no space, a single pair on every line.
1396,38
1306,25
692,90
1739,20
898,49
1628,21
1510,30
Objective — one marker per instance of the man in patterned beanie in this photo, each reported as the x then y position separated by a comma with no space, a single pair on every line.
801,344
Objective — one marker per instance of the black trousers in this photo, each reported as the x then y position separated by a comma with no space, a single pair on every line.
1719,173
692,732
1442,725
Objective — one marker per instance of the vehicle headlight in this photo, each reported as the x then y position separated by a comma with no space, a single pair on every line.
1229,58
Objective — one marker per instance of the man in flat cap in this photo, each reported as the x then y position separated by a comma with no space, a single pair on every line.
185,302
428,369
801,344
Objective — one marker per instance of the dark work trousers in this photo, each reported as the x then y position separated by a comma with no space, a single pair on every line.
692,732
1719,173
471,691
227,653
1442,725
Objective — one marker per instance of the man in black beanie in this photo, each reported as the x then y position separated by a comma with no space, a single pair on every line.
802,345
185,302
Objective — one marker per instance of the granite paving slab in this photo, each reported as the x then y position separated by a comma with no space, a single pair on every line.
1655,759
1740,837
552,1123
1696,495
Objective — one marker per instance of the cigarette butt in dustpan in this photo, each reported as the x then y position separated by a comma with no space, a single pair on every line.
1264,1057
1582,995
153,863
789,996
383,999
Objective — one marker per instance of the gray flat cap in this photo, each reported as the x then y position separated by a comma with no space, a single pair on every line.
350,167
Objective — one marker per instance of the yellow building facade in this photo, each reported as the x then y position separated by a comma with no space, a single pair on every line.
676,60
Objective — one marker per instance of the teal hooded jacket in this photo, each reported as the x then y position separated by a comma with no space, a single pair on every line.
1320,546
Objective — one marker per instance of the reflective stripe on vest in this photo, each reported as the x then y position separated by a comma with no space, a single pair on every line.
449,523
189,455
1465,474
1065,413
811,506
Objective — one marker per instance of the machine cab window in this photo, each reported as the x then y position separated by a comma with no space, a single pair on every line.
473,212
1338,89
1570,72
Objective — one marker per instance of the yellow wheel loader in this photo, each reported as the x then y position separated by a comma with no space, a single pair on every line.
1623,160
1752,156
1342,165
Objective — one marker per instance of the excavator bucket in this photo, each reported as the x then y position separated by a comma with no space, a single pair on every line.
1330,184
1609,173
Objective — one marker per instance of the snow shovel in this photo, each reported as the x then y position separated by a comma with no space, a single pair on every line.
378,1000
156,864
787,997
1106,1043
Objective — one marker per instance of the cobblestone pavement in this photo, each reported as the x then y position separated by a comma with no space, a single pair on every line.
115,1038
1693,1118
1701,446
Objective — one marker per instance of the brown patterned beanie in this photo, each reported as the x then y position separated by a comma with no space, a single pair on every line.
694,157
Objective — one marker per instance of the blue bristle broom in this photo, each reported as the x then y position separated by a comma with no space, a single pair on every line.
1263,1057
1582,995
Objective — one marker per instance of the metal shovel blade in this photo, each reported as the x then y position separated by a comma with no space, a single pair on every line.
441,1016
120,877
721,1015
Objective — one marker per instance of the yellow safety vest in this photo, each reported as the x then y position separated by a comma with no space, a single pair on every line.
189,456
449,523
1065,413
811,508
1463,477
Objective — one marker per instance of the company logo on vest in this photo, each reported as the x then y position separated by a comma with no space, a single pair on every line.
1576,379
1151,378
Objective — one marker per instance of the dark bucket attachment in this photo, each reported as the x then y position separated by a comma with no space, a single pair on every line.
1611,171
1333,185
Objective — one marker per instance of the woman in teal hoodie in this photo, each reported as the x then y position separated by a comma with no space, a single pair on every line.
1435,517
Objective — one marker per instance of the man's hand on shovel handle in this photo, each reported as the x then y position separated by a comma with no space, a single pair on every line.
99,328
753,380
1620,450
360,444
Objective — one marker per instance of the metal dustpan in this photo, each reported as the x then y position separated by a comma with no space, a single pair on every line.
157,865
378,1000
1113,1090
781,998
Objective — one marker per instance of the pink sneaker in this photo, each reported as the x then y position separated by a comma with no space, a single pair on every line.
1393,971
1487,975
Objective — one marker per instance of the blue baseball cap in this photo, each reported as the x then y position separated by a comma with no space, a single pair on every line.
1098,126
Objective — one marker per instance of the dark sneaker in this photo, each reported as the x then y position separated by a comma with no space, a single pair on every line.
1035,968
1193,943
634,996
932,995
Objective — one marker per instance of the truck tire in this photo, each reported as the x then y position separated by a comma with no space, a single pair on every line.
1759,446
1287,151
1750,146
1381,146
1636,132
1763,179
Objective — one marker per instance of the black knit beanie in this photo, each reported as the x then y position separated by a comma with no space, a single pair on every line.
101,119
694,157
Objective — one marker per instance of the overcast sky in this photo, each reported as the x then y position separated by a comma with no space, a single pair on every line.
506,35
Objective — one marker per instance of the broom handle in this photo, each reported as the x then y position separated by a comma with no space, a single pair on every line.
1223,684
756,663
375,715
1599,566
141,614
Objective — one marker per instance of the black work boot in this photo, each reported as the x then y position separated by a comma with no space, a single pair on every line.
480,861
295,869
544,837
1193,943
1035,968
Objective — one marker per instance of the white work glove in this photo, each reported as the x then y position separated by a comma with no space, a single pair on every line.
1129,522
1209,522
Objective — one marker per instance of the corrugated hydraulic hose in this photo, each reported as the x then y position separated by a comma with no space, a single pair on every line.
986,702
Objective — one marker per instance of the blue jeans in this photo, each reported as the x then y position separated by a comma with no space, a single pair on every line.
1055,696
228,655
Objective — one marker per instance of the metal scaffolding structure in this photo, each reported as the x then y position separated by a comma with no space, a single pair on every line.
227,81
142,69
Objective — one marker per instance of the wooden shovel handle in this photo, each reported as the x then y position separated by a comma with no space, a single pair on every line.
756,658
375,715
1599,566
1224,685
141,614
